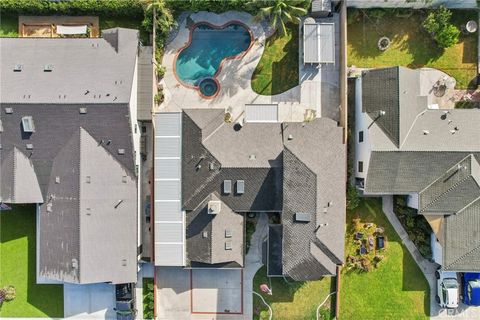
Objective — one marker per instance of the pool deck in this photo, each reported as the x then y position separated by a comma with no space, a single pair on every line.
235,76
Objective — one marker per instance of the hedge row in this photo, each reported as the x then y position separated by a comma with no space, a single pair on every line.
216,6
131,8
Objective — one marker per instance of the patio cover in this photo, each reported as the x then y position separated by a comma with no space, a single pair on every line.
61,29
318,43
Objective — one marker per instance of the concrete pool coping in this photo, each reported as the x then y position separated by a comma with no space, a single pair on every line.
214,77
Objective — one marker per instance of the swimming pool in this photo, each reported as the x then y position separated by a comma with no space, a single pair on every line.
208,47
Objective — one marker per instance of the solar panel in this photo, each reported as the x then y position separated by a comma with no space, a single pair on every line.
27,123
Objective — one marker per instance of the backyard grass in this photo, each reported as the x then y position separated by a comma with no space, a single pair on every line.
411,46
8,26
396,289
17,265
292,300
277,70
148,298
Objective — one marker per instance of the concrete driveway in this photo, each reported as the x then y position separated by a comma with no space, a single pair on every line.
199,293
89,301
217,291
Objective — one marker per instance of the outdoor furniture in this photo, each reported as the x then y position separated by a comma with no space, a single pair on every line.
380,242
363,250
370,243
358,235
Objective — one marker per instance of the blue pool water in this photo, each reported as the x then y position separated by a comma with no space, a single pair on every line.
209,46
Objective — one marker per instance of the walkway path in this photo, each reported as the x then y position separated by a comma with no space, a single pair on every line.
428,268
253,262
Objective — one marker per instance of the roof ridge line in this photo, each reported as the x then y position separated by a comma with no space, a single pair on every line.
446,192
466,254
213,132
456,164
468,205
411,127
14,169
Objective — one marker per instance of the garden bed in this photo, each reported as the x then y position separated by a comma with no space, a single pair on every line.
395,289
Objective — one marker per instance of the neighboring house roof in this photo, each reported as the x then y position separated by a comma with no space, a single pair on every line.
103,67
19,182
435,153
80,158
215,239
286,168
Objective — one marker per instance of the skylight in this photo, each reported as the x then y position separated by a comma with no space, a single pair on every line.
27,123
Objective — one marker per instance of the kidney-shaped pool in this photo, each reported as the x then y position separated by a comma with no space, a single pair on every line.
208,47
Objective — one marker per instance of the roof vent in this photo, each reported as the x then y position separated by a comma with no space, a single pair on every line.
228,245
1,126
8,110
49,207
228,233
124,262
205,234
382,113
87,179
252,157
74,263
240,187
18,68
121,151
89,211
214,207
57,179
290,137
124,179
211,166
82,110
48,68
227,186
28,125
303,217
425,132
29,146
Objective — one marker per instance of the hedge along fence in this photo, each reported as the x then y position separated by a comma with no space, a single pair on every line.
112,8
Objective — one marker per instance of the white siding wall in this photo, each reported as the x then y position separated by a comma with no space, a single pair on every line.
412,200
362,149
136,147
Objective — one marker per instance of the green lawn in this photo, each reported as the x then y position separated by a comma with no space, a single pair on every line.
277,70
411,46
396,289
17,265
8,26
148,298
293,300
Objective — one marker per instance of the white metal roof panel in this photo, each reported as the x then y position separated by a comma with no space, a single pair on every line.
168,254
261,113
170,211
318,43
169,219
168,232
167,168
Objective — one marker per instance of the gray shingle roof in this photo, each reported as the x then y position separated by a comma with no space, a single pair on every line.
87,222
314,168
436,155
211,249
103,69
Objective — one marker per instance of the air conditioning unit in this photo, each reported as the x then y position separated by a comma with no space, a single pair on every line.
214,207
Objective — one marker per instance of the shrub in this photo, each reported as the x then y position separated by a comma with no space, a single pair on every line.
216,6
159,97
148,300
130,8
438,25
160,71
353,199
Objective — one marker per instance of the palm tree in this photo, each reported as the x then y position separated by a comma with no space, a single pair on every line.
282,12
155,6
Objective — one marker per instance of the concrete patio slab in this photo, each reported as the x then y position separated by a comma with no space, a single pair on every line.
173,293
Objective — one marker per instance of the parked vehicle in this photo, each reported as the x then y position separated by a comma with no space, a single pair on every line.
448,289
471,289
125,301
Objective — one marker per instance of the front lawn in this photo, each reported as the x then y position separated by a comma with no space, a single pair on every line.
292,300
395,289
18,264
277,70
411,46
8,26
